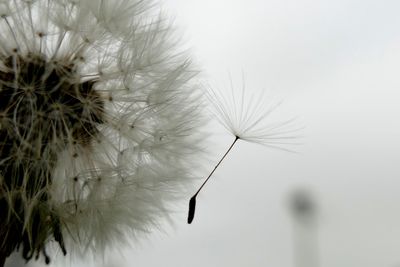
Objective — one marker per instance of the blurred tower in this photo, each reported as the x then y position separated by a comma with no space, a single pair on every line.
305,232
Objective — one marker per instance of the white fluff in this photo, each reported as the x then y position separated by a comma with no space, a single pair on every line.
143,114
249,117
128,177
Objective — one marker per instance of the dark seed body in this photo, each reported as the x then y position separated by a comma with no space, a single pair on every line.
192,209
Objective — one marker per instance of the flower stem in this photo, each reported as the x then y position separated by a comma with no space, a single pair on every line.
192,202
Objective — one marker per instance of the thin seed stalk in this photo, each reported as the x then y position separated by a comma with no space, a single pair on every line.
192,202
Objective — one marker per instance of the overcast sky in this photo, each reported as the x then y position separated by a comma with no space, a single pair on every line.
336,65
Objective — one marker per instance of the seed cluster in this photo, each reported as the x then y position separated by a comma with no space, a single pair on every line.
100,124
44,106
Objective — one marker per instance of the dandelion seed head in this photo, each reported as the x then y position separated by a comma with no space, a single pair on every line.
99,123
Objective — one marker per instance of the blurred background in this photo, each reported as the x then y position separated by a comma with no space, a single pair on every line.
337,201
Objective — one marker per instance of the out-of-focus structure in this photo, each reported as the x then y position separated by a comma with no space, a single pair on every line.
305,231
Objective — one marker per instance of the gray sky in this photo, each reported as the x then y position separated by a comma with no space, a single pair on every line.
336,64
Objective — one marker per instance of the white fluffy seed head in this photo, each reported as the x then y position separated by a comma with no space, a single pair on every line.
100,119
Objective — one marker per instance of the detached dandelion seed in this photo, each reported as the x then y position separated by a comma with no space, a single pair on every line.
247,119
99,122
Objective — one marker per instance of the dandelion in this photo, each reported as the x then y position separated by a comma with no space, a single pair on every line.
247,118
99,122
